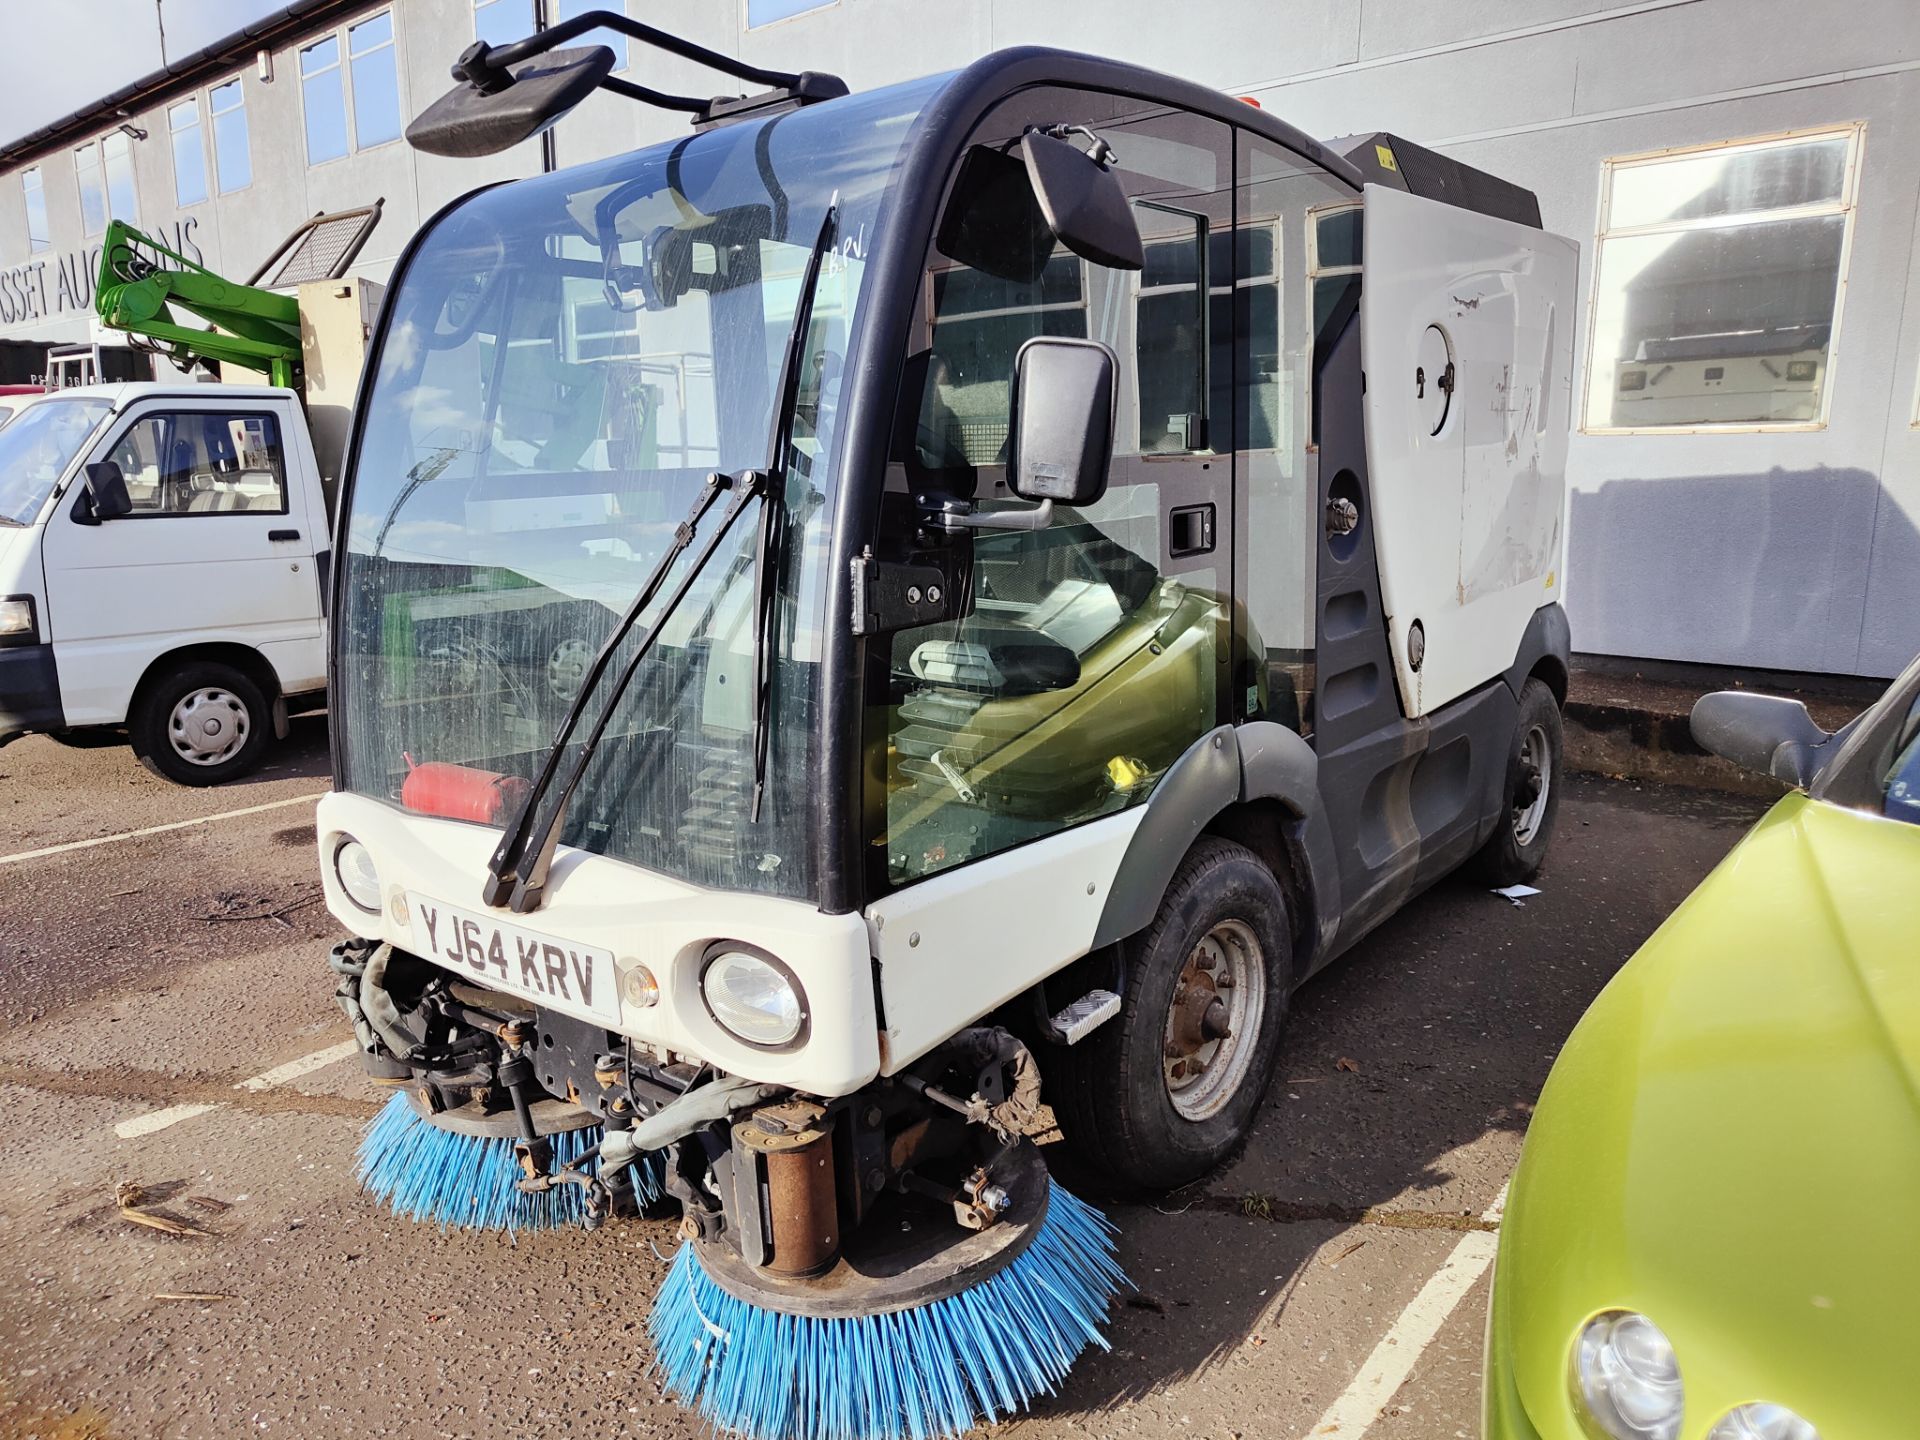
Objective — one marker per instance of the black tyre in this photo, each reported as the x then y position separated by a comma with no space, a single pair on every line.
202,724
1531,798
1168,1089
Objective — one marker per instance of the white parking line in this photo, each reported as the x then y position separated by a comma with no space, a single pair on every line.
1399,1350
46,850
155,1120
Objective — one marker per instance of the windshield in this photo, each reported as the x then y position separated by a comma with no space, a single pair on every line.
1877,764
36,446
566,360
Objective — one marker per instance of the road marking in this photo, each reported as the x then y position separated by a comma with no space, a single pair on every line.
46,850
1399,1350
155,1120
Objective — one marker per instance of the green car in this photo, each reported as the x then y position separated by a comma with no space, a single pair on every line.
1714,1231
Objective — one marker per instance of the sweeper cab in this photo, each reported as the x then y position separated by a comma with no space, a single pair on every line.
892,612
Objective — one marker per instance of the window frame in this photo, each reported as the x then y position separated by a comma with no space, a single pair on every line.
199,127
170,416
89,154
341,37
29,193
106,175
1846,207
239,108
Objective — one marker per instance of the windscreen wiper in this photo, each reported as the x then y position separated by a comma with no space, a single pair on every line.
774,517
517,873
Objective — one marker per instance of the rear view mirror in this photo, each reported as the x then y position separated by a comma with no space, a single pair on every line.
491,110
1084,202
106,495
1767,733
1061,424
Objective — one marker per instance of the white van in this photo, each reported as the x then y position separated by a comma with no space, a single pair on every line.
163,556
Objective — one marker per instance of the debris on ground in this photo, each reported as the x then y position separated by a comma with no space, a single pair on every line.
1517,893
133,1199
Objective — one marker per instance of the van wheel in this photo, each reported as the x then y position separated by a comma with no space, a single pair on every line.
1531,796
1168,1089
203,724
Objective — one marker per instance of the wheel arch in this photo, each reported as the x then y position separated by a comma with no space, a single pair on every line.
1255,784
244,658
1545,654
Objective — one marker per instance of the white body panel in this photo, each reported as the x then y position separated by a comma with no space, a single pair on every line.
643,918
1467,518
956,945
122,594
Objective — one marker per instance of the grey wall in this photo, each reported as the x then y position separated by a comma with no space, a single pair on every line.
1789,550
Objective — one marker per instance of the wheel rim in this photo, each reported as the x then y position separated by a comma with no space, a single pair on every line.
1536,778
1213,1024
567,667
208,725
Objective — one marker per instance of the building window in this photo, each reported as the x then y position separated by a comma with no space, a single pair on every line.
765,12
35,191
1333,258
232,157
122,202
93,189
367,87
613,40
376,82
189,153
1717,284
501,22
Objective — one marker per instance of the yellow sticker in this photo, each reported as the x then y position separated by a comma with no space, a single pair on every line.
1386,157
1550,578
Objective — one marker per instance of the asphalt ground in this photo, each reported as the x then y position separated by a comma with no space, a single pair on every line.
1332,1280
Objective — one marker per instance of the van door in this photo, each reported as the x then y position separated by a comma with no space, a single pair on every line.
217,549
1467,334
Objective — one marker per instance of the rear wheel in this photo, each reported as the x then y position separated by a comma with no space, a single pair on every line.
1168,1090
202,724
1531,797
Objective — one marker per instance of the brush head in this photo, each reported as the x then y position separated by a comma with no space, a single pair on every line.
927,1370
456,1178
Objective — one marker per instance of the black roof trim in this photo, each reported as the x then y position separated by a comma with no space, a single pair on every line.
1424,172
288,23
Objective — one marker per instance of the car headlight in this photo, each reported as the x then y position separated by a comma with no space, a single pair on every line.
753,996
16,620
1762,1422
1626,1374
353,866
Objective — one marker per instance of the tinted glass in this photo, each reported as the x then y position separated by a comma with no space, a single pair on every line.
195,462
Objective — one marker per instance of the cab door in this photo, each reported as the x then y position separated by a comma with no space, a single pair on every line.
217,549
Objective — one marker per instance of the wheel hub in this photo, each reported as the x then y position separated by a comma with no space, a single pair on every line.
1213,1023
1530,787
208,726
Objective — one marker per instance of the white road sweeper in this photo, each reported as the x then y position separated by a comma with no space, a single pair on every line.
897,610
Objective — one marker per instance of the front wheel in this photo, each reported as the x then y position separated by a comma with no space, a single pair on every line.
203,724
1167,1090
1530,797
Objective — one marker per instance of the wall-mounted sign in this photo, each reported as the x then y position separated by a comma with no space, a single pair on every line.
30,292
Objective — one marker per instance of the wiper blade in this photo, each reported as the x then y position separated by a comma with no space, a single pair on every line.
771,553
517,873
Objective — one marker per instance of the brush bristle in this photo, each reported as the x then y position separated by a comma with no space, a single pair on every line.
426,1173
934,1370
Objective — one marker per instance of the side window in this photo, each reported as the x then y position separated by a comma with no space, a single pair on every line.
1084,660
1297,279
199,462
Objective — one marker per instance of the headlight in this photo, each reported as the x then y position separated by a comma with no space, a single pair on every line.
1762,1422
353,865
1625,1371
754,997
16,619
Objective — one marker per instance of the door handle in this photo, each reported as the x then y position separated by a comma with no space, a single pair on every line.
283,534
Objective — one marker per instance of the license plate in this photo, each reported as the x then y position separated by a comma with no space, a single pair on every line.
540,967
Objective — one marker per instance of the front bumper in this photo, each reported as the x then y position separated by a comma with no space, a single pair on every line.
1503,1415
642,918
29,691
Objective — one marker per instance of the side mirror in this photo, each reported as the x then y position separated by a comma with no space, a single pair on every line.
1767,733
1061,421
106,493
493,110
1084,203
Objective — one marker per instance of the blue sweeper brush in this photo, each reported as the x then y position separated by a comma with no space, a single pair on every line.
895,1346
462,1173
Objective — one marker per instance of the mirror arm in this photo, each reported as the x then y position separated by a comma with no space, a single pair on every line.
484,66
954,515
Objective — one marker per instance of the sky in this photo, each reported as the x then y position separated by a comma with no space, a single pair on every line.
61,56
